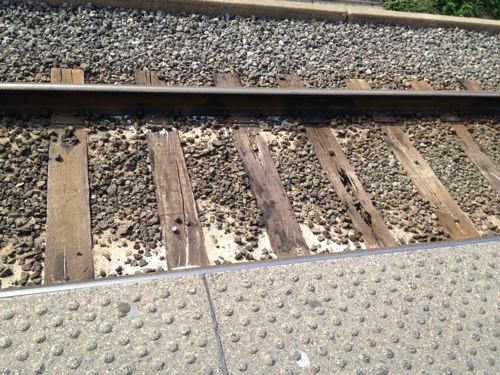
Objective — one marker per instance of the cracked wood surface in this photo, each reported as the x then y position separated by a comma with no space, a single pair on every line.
449,214
486,165
281,224
68,254
364,216
180,225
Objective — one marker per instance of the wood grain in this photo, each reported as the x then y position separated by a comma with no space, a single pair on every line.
179,220
357,84
68,255
478,156
486,165
67,76
180,225
420,85
147,78
449,214
470,85
281,224
364,216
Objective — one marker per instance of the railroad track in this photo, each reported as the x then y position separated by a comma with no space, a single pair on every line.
70,250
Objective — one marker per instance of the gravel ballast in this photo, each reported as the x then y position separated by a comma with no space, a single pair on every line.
24,155
125,222
232,224
187,49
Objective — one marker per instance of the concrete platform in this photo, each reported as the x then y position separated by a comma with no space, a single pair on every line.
409,310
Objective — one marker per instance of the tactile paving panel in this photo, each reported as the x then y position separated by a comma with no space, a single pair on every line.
426,312
136,328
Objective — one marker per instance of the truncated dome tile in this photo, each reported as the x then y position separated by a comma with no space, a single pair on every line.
136,328
428,312
432,311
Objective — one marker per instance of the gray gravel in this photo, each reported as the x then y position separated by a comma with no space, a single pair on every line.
24,155
125,223
439,146
110,43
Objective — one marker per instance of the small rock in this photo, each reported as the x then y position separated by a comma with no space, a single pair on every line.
6,272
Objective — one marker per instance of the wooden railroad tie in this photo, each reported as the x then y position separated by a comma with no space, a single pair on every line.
281,224
364,216
180,225
474,151
68,254
449,214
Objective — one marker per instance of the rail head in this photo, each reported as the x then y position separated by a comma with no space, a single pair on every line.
25,98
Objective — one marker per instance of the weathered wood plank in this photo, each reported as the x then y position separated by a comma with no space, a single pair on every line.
449,214
282,227
489,169
147,78
68,76
357,84
360,84
68,254
281,224
180,225
470,85
364,216
179,220
479,157
227,80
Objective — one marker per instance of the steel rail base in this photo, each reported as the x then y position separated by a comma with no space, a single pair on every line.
197,271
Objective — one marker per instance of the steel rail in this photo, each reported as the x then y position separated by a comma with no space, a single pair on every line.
126,99
199,271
